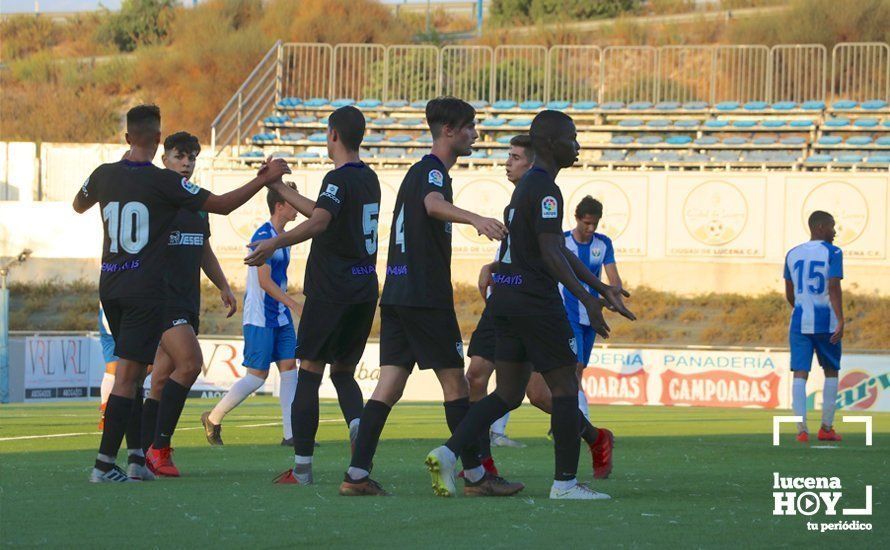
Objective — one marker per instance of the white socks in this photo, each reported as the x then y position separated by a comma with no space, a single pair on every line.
239,392
105,387
582,404
499,426
564,485
829,401
475,474
799,401
286,391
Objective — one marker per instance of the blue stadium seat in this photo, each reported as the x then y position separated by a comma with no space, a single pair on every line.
886,123
531,105
383,121
373,138
874,104
878,158
883,141
773,123
865,122
641,156
726,156
318,137
323,120
477,104
369,103
520,122
707,140
505,139
668,156
252,154
425,138
493,122
851,158
696,157
658,123
289,102
844,104
316,102
744,123
830,140
558,105
630,123
836,122
640,105
392,154
727,106
667,105
695,105
612,155
499,155
401,138
756,105
714,123
275,119
735,140
859,140
784,106
411,121
584,105
307,155
678,140
764,140
293,136
649,140
793,140
757,156
687,123
395,104
421,104
612,106
263,137
304,119
800,123
813,105
819,159
621,140
342,102
504,104
478,154
415,154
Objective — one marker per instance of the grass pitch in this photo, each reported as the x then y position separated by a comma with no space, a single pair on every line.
683,477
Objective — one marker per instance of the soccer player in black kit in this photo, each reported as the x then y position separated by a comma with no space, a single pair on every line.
340,283
418,325
138,203
531,324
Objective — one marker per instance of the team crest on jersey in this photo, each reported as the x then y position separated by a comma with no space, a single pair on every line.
436,178
460,348
549,208
331,192
190,187
573,345
595,253
83,189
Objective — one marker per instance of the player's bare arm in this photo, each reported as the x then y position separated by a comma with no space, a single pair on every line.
611,295
226,203
210,266
485,280
264,276
303,205
317,223
551,250
439,208
612,275
789,292
835,296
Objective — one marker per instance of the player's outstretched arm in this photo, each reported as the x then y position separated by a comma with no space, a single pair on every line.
836,297
612,295
551,245
262,250
303,205
264,276
210,266
226,203
437,207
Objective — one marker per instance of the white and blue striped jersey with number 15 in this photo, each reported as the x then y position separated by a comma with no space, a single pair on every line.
809,267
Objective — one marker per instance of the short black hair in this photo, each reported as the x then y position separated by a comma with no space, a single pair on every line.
589,206
547,125
448,111
524,141
349,123
819,217
144,120
273,197
183,142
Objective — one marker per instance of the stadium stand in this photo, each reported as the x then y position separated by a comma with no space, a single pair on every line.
788,124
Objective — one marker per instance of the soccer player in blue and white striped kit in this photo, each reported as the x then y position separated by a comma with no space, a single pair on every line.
813,273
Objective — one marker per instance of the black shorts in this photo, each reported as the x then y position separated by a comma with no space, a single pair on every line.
176,317
334,333
136,325
425,336
546,341
482,342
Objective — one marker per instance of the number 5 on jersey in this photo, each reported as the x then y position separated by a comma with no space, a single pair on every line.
370,216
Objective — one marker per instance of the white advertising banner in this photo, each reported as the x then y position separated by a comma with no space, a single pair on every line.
58,367
863,384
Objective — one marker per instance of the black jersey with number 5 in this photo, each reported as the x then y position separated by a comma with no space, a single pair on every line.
138,203
522,283
418,266
342,264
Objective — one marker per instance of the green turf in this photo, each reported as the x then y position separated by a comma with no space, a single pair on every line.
683,477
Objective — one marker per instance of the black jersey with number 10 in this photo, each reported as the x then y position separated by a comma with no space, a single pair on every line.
139,202
418,266
522,283
342,260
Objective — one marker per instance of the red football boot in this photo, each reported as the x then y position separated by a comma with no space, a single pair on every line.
601,452
160,462
828,435
803,437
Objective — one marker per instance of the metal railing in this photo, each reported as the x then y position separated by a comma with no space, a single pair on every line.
860,70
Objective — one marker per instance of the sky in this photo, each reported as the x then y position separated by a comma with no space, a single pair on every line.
18,6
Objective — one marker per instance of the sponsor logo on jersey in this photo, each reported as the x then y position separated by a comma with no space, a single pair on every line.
108,267
549,208
510,280
436,178
364,269
190,187
83,188
460,348
177,322
573,345
186,239
331,192
397,270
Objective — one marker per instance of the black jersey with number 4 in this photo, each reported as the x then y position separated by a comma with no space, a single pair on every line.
138,203
186,240
342,264
418,266
522,283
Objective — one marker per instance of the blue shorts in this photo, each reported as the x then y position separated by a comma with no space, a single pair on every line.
803,346
584,338
107,342
264,345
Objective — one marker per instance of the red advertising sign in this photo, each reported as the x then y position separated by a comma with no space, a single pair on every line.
604,386
720,389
